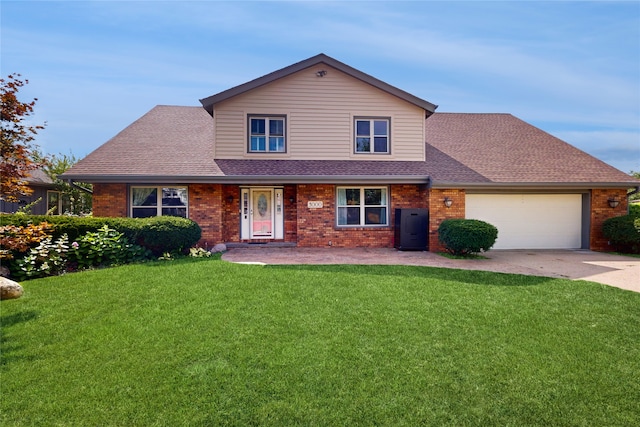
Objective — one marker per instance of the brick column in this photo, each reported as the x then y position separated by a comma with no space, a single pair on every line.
601,211
438,212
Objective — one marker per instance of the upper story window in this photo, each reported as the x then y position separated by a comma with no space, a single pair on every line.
267,134
362,206
158,201
372,135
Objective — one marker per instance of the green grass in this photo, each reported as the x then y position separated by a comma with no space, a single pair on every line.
207,343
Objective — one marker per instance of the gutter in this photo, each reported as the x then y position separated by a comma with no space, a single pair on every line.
531,185
252,179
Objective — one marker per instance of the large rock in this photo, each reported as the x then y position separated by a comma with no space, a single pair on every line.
10,289
220,247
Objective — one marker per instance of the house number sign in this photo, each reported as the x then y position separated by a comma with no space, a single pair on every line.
314,205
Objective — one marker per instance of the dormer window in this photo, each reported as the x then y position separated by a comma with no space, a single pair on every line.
267,134
372,135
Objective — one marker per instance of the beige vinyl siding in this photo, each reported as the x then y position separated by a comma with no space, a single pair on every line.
320,114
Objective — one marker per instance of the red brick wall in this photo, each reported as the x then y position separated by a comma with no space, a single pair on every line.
438,212
316,227
205,203
600,211
110,200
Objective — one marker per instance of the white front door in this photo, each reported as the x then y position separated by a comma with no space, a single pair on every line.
262,213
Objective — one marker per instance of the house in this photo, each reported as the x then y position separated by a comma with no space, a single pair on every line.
44,199
320,154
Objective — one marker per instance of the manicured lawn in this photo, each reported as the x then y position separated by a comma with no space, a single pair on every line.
206,343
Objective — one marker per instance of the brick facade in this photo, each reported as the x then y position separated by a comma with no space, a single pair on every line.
438,212
110,200
600,211
215,207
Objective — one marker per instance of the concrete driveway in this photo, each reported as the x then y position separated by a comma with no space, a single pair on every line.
614,270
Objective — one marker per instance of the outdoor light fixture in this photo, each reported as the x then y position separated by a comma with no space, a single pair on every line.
292,199
321,73
447,202
613,202
230,199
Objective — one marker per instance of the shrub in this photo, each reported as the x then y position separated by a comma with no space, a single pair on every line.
159,234
623,233
105,247
165,234
467,236
16,240
634,209
47,259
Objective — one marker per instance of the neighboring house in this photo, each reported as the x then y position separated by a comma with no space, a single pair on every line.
44,193
320,154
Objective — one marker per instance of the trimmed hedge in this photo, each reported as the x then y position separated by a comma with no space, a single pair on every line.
158,234
467,236
623,232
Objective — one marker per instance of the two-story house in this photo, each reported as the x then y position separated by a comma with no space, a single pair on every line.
321,154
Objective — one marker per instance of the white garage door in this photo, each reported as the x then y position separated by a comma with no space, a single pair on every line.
530,221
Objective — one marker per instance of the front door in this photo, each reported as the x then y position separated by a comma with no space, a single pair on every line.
262,213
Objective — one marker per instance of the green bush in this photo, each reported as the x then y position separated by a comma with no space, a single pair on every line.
158,234
467,236
634,209
105,247
623,233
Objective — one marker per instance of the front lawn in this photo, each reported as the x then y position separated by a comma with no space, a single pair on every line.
204,343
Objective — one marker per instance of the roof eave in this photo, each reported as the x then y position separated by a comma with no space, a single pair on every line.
531,185
251,179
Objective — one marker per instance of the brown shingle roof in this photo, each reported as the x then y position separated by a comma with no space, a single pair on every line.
167,143
175,145
502,149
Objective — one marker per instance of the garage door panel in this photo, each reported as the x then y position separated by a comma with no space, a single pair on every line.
530,221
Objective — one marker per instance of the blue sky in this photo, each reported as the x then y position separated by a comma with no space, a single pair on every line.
570,68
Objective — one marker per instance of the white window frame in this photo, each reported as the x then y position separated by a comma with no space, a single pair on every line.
372,135
159,206
363,206
267,119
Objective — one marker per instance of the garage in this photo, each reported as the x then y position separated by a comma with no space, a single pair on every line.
530,221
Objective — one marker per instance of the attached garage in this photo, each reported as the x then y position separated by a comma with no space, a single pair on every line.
531,221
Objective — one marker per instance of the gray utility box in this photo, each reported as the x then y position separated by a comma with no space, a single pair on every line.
411,229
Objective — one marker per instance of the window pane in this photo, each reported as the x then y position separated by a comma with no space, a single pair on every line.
276,144
342,216
342,197
258,143
363,144
53,198
182,212
144,212
174,197
377,216
145,196
276,127
363,128
380,127
373,196
257,126
353,196
353,216
380,144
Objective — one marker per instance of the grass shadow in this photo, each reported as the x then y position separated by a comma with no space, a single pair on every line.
475,277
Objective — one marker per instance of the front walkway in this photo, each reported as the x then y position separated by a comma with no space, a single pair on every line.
614,270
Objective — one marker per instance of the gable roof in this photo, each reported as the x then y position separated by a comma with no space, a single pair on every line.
210,102
476,150
174,145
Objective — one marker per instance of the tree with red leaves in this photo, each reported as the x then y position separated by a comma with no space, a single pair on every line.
16,141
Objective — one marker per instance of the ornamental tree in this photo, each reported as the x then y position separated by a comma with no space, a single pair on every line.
16,141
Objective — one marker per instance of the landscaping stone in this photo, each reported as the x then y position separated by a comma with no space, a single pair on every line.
4,272
10,289
220,247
